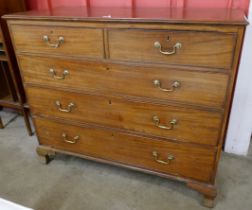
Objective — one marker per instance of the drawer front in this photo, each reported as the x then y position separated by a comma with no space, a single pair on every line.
206,49
147,153
58,40
189,125
199,88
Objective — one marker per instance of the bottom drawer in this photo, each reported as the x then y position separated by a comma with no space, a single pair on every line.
161,156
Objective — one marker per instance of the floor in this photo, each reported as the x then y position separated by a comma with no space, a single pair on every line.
69,183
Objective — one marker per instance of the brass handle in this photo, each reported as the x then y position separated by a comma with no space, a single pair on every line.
176,47
54,74
170,157
60,41
65,138
68,109
156,121
157,83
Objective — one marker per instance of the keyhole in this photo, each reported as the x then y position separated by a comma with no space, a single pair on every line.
110,102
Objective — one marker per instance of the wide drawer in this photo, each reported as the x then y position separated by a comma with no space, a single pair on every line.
199,88
152,154
58,40
189,125
207,49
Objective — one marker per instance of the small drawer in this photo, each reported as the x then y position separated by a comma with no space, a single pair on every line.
147,153
171,122
206,49
194,87
59,40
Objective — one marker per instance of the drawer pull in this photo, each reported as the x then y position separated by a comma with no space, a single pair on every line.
164,162
176,47
157,83
74,141
54,75
69,107
156,121
46,39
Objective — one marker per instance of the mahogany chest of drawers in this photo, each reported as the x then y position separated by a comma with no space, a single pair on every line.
150,91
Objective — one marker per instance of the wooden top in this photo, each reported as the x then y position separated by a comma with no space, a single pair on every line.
160,15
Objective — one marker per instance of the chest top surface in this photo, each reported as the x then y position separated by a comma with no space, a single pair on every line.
159,15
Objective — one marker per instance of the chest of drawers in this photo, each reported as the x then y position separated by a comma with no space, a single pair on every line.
148,92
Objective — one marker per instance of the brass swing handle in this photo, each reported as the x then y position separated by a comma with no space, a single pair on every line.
156,121
170,158
157,83
65,138
176,47
54,74
60,41
69,108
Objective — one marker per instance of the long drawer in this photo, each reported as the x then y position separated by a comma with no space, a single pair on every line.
189,125
58,40
208,49
199,88
161,156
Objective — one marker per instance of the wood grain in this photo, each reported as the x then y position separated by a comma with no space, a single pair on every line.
191,16
110,82
198,48
193,162
193,125
207,89
83,42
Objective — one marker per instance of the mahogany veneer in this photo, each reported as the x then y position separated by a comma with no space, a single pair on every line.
147,89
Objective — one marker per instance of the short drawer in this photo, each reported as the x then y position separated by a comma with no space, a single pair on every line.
192,87
206,49
152,154
188,125
60,40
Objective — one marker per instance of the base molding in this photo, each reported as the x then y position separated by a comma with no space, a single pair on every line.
46,155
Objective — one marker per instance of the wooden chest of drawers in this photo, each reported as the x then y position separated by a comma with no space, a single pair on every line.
146,93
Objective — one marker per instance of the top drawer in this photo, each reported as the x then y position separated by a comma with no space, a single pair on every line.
60,40
206,49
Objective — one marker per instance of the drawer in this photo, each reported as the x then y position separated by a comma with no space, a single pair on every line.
199,88
60,40
206,49
186,161
189,125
